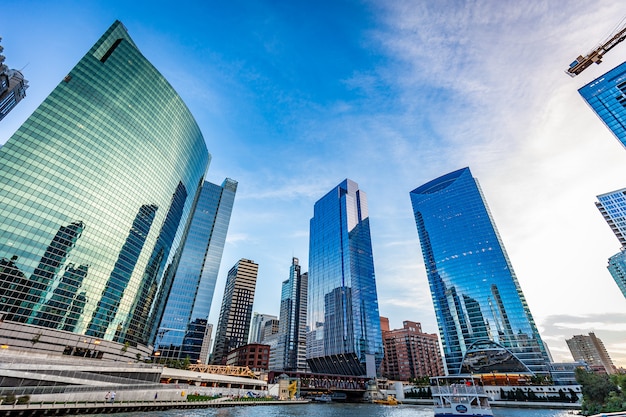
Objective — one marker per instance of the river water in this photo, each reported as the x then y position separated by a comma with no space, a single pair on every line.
333,410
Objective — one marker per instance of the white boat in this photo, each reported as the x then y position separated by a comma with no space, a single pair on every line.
459,395
324,398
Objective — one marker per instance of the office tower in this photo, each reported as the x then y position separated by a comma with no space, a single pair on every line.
257,327
484,321
607,97
12,87
234,322
206,344
291,347
96,189
182,328
591,350
617,268
612,206
410,353
343,303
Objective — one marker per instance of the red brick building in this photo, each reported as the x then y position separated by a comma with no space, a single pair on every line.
255,356
409,353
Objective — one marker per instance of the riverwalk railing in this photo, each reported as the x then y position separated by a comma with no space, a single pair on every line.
103,407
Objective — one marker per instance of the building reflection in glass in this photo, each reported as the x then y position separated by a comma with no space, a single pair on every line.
120,276
475,292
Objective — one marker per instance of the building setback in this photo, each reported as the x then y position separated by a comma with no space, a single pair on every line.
233,325
591,350
343,314
290,352
411,354
183,326
96,189
484,322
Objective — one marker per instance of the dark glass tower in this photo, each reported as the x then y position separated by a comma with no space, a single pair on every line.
343,303
607,97
96,189
184,321
484,322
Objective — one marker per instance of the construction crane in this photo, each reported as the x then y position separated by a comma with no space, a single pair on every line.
581,63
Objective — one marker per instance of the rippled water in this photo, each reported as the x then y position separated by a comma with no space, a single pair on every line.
333,410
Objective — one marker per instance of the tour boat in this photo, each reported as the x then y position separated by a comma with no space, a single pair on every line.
459,395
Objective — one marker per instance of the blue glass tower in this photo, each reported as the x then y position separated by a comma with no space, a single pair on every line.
607,97
184,321
613,208
342,286
96,190
484,322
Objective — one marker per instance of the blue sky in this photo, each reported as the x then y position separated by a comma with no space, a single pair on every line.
293,97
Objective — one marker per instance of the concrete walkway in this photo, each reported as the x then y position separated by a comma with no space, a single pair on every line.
80,407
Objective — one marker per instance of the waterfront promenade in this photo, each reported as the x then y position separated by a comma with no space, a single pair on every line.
102,407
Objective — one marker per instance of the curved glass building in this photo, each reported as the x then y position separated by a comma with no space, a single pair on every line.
343,315
96,190
484,322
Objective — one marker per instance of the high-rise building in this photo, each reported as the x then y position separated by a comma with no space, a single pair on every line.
12,87
257,326
591,350
410,353
485,324
617,268
607,97
613,208
183,326
290,352
343,303
96,189
234,322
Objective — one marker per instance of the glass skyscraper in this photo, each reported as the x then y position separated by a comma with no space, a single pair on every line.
290,352
343,316
96,189
613,208
607,97
484,322
183,326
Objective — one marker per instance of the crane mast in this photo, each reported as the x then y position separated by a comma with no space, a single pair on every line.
581,63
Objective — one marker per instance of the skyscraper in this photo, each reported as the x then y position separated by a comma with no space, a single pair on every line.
290,352
96,188
234,322
591,350
184,321
607,97
484,321
343,314
12,87
257,326
613,208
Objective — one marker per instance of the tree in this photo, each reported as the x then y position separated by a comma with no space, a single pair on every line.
601,393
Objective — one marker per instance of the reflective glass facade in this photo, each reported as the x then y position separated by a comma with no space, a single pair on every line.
343,303
617,268
475,291
96,189
607,97
290,352
184,321
613,208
